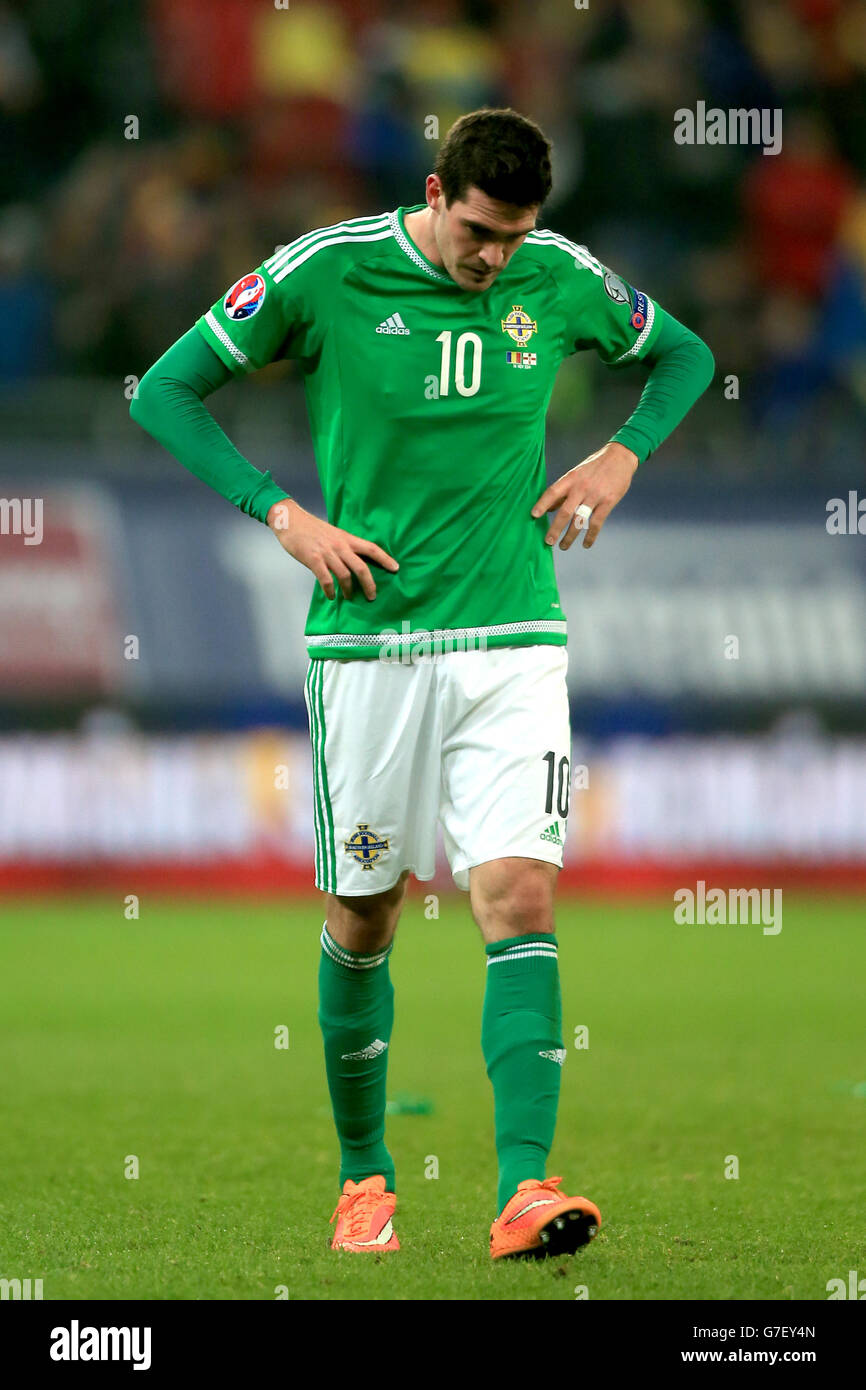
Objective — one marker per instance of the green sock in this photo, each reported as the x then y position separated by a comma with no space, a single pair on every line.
356,1014
521,1037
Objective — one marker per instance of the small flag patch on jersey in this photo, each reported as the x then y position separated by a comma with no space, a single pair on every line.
522,359
392,324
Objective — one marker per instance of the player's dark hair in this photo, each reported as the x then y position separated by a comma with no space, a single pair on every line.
504,154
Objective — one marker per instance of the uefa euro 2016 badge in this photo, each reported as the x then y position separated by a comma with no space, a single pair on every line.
365,846
520,328
245,297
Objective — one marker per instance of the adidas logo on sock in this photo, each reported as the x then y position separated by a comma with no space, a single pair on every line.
556,1055
374,1049
552,834
393,324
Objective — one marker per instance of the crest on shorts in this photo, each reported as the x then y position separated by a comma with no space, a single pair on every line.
365,846
519,326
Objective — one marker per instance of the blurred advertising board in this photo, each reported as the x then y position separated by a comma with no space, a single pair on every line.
60,595
212,812
158,595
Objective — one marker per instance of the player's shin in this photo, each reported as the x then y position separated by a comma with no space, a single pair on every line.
356,1014
521,1037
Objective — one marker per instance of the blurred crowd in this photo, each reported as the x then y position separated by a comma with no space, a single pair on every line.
153,152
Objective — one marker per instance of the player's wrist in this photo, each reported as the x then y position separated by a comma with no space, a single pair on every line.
279,515
617,447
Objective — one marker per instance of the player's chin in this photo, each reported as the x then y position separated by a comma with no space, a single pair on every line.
470,281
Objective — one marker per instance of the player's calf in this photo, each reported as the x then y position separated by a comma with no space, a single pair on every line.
512,897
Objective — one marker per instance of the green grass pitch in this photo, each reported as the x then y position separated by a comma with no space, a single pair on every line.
155,1038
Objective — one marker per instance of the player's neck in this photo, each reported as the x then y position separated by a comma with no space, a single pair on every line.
419,226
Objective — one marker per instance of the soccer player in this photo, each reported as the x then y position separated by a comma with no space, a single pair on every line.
429,338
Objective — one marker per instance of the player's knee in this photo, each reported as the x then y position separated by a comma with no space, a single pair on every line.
514,897
366,924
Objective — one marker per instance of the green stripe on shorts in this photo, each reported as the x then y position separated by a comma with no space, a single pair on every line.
308,690
329,814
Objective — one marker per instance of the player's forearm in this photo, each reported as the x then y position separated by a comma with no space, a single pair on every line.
682,369
168,404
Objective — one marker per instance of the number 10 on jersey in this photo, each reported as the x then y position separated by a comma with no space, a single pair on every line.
464,341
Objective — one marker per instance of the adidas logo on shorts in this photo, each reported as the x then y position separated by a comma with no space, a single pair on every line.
393,324
552,834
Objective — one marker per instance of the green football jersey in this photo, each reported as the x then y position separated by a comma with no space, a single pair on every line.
427,408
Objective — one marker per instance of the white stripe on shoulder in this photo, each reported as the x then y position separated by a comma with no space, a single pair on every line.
580,254
217,329
322,245
356,227
351,224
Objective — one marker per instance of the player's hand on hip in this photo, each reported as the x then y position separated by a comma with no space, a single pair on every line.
331,554
594,486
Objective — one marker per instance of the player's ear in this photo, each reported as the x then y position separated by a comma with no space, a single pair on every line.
435,192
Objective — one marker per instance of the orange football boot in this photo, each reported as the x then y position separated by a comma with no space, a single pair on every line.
538,1221
365,1213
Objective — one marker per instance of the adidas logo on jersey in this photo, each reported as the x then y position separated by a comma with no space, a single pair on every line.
366,1054
552,834
393,324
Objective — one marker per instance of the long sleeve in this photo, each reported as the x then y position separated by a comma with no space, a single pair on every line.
168,404
682,369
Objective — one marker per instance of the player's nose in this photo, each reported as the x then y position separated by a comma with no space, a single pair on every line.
493,257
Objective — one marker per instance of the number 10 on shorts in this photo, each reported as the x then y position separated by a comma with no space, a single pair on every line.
558,779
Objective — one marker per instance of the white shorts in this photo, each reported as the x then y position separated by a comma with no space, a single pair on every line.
476,741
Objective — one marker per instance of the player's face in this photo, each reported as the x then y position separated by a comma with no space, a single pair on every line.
477,236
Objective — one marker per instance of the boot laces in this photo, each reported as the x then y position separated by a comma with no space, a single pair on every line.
551,1184
357,1208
